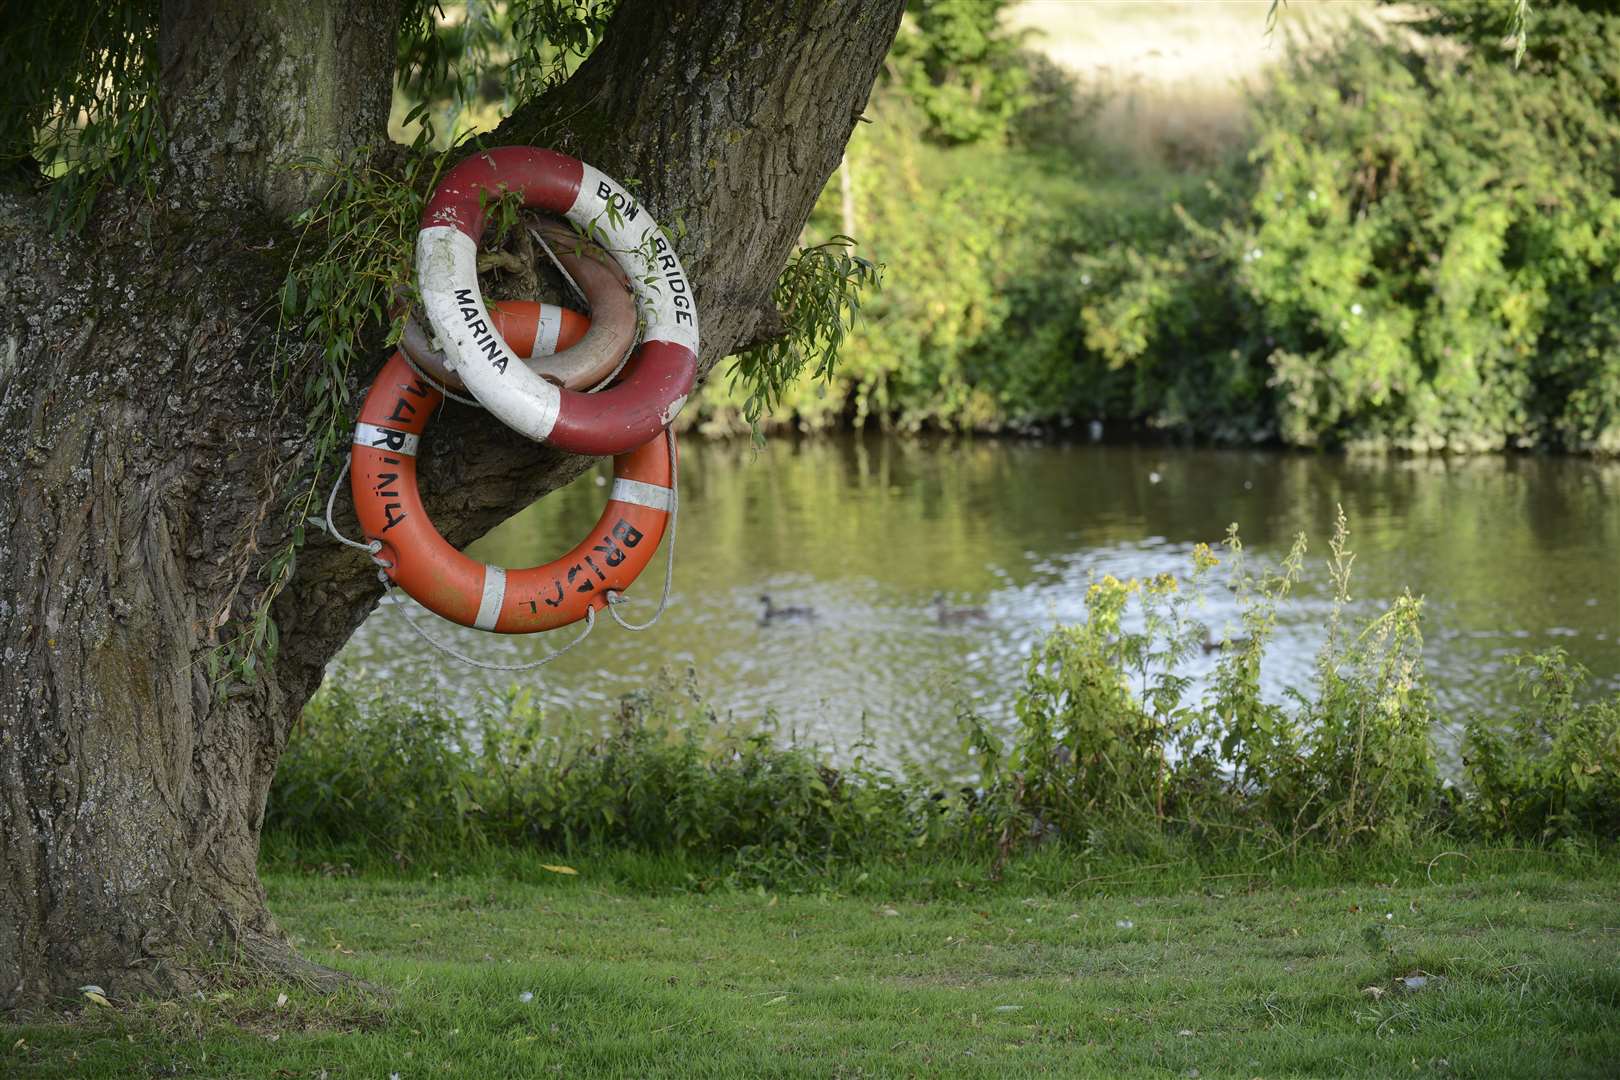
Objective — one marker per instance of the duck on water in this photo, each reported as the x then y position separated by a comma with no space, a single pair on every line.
792,613
950,616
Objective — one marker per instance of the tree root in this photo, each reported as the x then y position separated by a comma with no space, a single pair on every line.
265,957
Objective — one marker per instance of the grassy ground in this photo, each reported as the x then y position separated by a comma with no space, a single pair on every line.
526,972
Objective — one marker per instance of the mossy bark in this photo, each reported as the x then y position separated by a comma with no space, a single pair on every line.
147,463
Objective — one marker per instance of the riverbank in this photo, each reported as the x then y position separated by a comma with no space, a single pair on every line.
1484,962
1510,554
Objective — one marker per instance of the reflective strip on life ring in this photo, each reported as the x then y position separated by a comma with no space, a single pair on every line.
661,371
462,589
568,349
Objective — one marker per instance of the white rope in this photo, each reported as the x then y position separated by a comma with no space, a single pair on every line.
616,598
552,255
440,387
371,548
404,610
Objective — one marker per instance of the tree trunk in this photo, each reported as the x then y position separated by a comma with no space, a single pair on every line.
147,464
250,88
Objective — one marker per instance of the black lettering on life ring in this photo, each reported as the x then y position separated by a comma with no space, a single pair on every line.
483,338
394,440
618,200
611,553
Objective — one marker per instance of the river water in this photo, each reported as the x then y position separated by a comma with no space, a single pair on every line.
1510,554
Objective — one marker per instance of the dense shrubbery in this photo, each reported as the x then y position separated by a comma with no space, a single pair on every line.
960,187
976,325
1421,250
1111,753
1424,252
962,69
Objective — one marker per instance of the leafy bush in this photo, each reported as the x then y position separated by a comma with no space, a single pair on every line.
1423,251
976,327
959,64
963,189
1551,770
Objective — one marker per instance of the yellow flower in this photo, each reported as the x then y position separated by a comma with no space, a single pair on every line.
1163,584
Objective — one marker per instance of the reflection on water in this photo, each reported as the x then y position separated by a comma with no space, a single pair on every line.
1510,553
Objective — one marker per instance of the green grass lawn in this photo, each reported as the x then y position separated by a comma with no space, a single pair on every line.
530,973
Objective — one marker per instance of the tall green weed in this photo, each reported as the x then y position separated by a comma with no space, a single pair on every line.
1115,751
406,775
1551,769
1113,747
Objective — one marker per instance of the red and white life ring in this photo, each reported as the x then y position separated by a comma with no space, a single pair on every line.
556,343
662,369
464,590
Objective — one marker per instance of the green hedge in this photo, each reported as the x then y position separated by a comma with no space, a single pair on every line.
1426,249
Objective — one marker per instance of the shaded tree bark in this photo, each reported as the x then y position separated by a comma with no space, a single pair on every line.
146,464
237,101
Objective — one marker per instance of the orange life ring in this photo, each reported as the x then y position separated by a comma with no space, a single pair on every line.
464,590
534,331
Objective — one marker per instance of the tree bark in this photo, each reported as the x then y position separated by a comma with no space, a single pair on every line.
147,463
237,76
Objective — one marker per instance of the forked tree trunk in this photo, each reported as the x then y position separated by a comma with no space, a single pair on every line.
146,463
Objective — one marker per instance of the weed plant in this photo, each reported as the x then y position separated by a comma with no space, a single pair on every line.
1551,770
1114,754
